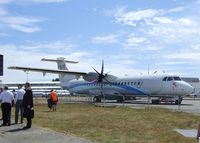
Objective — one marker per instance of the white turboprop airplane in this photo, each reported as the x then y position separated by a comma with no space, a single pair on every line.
100,84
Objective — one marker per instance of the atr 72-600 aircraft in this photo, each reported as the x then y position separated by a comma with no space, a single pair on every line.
100,84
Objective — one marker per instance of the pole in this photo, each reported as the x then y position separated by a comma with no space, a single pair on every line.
27,76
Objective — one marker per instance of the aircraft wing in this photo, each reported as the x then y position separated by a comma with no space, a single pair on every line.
44,71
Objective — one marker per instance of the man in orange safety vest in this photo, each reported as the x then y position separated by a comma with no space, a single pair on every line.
54,99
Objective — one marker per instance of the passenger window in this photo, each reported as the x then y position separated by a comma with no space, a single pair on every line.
165,78
170,78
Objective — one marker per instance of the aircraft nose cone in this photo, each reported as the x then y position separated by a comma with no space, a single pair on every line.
188,88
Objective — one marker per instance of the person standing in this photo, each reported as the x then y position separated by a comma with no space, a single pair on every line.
6,104
198,133
27,104
14,92
18,104
54,99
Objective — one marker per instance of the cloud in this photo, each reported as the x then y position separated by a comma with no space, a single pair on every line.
25,29
158,29
108,39
173,30
57,47
30,53
64,47
133,41
22,58
3,11
190,56
132,17
19,23
5,1
166,38
176,9
22,24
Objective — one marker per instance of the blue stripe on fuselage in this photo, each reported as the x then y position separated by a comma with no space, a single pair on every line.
125,87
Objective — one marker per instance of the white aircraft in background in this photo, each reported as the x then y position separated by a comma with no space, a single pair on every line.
99,84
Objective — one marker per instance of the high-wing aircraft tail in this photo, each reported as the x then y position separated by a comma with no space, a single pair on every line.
61,63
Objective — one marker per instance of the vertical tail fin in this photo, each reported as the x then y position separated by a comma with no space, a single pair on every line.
61,63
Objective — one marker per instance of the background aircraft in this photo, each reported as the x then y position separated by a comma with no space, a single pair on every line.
100,84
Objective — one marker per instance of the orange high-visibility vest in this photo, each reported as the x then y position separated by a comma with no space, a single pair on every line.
54,96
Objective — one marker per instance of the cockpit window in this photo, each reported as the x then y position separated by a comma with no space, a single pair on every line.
177,78
165,78
169,78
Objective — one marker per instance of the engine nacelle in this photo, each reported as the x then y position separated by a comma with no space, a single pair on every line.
110,77
91,76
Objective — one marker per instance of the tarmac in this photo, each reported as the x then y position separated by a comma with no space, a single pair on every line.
15,134
188,105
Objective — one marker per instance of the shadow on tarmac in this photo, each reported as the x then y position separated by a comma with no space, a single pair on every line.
15,130
145,103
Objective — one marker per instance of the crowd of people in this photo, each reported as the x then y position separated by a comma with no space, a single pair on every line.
22,99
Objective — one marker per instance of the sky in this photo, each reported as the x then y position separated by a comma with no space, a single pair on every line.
131,36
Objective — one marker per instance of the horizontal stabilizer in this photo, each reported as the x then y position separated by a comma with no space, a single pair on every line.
61,59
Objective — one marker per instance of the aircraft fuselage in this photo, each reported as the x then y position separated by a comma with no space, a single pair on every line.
143,86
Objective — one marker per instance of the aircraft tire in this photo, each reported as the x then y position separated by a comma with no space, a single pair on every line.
120,99
97,99
177,102
155,101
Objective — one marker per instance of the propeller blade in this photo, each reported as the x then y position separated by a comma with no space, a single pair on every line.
101,77
102,67
96,71
107,80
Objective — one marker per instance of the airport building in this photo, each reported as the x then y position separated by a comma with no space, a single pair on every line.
40,89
